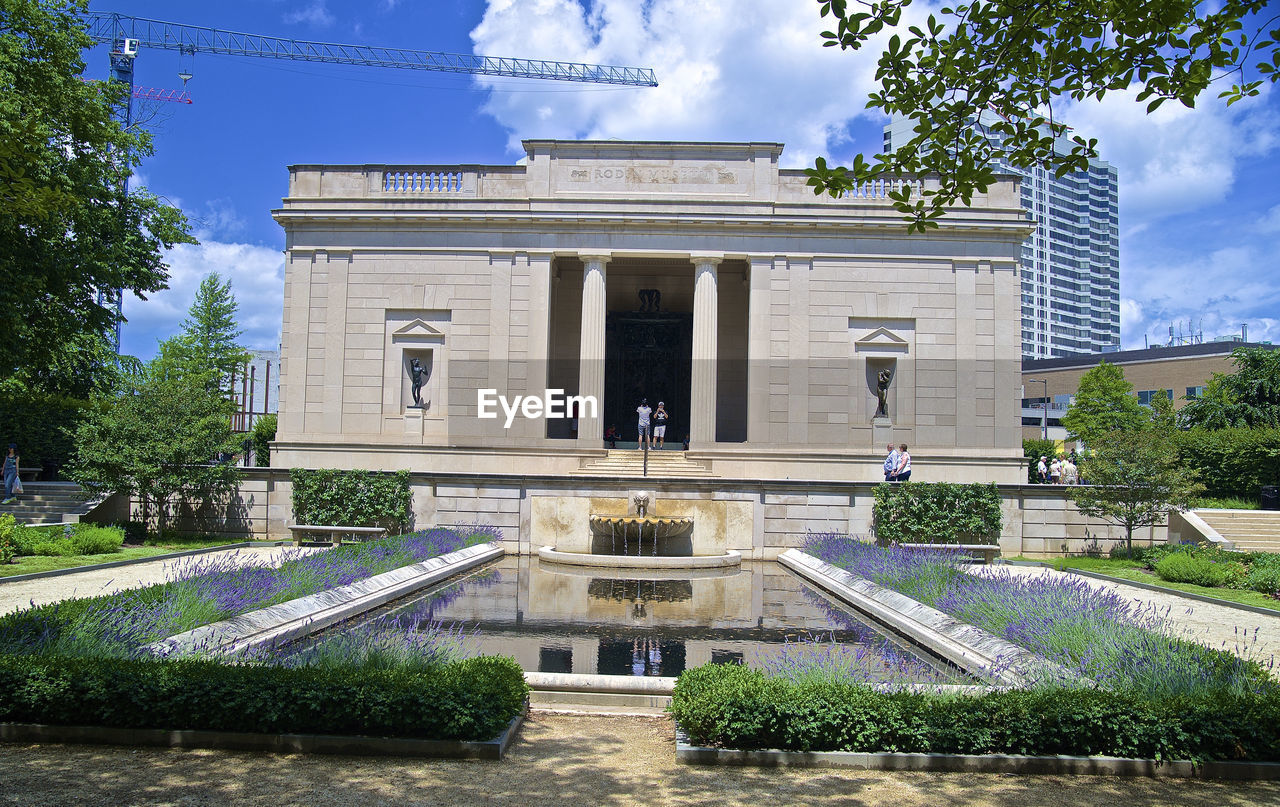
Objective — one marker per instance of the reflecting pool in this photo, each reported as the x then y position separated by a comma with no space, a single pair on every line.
566,619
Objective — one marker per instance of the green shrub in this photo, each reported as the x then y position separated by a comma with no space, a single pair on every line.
473,699
1264,574
937,513
7,546
90,539
59,540
351,498
1185,567
264,431
1231,462
733,706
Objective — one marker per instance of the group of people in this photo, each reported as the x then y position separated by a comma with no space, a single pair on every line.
1061,471
897,466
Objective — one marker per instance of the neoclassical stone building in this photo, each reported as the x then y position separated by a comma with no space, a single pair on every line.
699,274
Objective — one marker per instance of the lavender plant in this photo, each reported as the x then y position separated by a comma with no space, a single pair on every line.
1094,632
203,590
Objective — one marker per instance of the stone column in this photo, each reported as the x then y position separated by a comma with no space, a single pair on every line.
591,353
702,398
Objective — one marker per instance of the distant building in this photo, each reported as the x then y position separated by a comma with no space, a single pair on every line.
1180,373
1070,265
256,388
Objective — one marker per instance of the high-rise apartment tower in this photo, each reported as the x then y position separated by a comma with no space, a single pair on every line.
1071,263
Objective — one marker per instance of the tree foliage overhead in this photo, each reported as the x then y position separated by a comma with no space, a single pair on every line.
1247,398
1016,59
68,228
1104,403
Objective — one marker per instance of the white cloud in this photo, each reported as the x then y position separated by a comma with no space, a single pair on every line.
257,280
1175,159
1270,221
750,70
314,13
1214,292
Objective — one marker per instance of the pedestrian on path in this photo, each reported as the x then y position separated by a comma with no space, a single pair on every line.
12,484
891,463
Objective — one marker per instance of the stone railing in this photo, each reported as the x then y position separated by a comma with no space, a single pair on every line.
423,180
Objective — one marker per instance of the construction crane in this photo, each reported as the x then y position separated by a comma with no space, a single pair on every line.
127,35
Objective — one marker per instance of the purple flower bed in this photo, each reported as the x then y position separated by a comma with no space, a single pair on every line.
1092,631
208,589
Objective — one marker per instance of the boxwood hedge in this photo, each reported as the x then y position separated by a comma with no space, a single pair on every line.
732,706
473,699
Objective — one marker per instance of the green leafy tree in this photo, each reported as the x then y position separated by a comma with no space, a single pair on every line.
1013,61
1249,397
210,332
161,439
68,227
1135,479
1104,403
264,431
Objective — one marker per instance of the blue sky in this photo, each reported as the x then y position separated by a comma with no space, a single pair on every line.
1200,210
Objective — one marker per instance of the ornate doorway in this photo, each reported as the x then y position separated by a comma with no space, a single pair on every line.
648,354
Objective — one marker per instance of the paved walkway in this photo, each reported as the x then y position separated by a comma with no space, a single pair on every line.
1242,632
93,582
558,761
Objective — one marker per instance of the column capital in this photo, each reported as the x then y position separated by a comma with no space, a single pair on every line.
601,258
712,259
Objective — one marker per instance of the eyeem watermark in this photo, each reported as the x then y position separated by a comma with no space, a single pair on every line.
553,404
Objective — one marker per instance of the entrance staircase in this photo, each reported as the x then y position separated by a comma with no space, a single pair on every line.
629,463
49,503
1247,530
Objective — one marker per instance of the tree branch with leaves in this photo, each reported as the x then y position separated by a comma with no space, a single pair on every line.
980,80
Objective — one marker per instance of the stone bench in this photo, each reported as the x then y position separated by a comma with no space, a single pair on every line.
336,533
987,551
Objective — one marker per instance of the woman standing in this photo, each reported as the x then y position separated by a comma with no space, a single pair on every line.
10,470
903,473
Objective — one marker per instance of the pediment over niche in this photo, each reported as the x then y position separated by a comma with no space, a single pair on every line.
882,340
418,332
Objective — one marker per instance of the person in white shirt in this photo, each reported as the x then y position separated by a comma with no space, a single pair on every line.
903,472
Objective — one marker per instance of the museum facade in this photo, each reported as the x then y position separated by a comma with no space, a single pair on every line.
423,302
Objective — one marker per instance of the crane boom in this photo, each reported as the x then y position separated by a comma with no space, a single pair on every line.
110,27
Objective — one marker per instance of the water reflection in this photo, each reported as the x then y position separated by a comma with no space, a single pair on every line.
567,619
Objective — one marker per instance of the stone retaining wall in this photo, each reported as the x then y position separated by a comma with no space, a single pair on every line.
1039,520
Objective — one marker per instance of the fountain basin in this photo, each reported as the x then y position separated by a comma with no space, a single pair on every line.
729,558
644,526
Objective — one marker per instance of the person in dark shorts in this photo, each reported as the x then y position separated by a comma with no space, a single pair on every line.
660,424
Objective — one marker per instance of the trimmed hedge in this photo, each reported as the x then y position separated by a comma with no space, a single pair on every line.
937,513
58,541
473,699
43,426
335,498
732,706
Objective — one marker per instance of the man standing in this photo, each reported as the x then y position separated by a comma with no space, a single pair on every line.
660,424
890,463
643,411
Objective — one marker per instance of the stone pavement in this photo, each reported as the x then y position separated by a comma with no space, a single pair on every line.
557,761
93,582
1245,633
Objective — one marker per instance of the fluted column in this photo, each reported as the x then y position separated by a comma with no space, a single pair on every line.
702,398
591,353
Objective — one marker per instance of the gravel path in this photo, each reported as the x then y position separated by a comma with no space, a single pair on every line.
93,582
1242,632
558,760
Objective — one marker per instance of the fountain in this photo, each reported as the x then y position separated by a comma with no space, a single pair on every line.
641,540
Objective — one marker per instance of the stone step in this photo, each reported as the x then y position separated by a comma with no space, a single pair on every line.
630,463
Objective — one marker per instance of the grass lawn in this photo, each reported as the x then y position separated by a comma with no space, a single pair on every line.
41,563
1129,570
